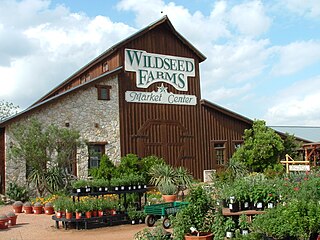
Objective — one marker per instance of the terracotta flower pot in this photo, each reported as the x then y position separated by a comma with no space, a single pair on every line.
27,209
169,198
88,214
58,214
78,215
202,236
17,207
49,210
37,209
95,213
100,213
68,215
12,219
3,221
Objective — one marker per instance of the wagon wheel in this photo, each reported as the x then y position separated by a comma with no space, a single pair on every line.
150,220
166,223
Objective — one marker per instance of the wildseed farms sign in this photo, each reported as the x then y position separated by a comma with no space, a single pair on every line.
151,68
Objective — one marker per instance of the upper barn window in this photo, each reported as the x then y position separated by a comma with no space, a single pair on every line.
105,67
103,92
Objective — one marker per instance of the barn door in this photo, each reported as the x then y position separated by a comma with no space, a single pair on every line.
166,139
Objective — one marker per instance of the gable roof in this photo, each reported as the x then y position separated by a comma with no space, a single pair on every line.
225,111
162,21
35,106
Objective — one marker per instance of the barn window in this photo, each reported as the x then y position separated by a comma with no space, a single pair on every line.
96,150
220,152
103,92
237,144
105,67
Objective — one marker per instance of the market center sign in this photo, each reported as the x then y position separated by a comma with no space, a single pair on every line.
151,68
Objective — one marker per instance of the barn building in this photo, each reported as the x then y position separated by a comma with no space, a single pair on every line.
140,96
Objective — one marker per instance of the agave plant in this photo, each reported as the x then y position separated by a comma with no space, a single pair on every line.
163,174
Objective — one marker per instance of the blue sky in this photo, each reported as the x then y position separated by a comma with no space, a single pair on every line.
263,57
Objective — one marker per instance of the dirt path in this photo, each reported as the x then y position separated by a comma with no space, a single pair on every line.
38,227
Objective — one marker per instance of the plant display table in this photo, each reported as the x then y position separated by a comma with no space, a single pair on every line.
121,193
250,213
103,220
106,219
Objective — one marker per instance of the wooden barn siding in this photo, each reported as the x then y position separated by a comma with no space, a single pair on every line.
134,115
2,159
94,71
219,126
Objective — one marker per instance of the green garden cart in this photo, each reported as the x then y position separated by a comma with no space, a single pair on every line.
163,211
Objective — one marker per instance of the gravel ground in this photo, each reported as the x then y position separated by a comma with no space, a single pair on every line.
41,226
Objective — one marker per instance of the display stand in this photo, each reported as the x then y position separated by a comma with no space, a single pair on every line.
105,220
249,213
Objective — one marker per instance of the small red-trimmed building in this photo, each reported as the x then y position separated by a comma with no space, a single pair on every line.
141,96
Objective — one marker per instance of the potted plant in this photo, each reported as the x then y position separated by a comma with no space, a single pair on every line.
3,221
244,224
17,206
168,191
12,218
88,207
197,235
102,185
69,209
193,216
230,226
48,208
27,207
79,209
80,186
163,175
116,184
132,214
37,208
59,206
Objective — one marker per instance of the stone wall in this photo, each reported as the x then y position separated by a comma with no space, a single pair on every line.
96,120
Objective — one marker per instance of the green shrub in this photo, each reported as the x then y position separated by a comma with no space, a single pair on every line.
17,193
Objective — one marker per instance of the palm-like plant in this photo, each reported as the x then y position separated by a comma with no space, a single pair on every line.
184,178
162,174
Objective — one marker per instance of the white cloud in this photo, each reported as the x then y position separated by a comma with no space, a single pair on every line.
38,44
309,8
298,104
236,61
226,93
250,18
296,56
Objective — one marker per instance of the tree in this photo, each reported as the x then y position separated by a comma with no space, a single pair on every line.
291,146
47,152
262,147
7,109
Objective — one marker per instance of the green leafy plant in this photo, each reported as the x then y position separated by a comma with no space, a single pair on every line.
157,233
167,189
164,175
299,220
47,153
80,184
243,222
16,192
230,225
105,170
194,214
